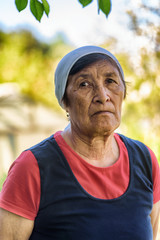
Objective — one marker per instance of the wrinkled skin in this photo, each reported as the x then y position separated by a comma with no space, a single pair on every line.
95,96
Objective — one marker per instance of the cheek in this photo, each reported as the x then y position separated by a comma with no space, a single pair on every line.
118,104
77,106
122,91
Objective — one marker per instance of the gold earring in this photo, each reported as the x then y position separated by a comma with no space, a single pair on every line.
67,113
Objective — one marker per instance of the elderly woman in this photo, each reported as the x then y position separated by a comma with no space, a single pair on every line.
86,182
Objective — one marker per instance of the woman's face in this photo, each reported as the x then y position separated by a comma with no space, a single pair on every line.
94,99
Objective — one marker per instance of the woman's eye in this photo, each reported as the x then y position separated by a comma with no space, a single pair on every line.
84,84
109,80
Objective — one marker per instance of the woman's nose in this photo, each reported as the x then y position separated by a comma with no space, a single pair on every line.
101,95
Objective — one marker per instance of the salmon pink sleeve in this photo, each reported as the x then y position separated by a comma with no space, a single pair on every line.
21,191
156,177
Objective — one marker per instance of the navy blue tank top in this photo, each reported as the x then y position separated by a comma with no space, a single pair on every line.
68,212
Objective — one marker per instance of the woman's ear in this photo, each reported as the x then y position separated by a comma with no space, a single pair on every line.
67,114
65,102
66,109
65,105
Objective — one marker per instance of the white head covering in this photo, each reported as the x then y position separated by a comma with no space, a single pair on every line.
67,62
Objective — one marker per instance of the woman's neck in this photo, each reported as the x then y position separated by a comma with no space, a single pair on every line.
100,151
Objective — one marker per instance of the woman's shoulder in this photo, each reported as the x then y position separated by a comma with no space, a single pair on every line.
21,190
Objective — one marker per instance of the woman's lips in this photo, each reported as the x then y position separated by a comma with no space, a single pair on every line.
103,112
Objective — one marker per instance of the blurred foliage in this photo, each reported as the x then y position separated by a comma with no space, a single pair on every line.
2,179
31,64
141,116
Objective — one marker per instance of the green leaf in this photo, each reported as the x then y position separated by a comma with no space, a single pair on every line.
37,9
105,6
46,7
21,4
85,2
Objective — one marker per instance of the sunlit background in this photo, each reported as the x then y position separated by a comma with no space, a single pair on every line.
30,51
